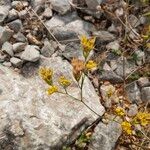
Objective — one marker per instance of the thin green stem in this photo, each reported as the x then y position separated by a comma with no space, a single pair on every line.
74,97
80,101
90,108
82,81
66,90
70,96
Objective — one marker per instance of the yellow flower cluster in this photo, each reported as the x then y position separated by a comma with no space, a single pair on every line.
91,64
127,127
142,118
63,81
120,111
87,45
46,74
52,89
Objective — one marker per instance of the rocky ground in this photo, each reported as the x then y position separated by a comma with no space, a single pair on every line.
36,33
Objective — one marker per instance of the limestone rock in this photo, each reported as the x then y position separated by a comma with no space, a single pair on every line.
5,34
16,62
3,13
16,25
8,48
105,136
19,47
31,53
133,93
61,7
46,120
48,49
145,92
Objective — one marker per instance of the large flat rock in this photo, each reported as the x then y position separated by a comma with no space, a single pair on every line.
31,120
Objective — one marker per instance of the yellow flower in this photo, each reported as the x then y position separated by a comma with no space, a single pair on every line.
87,45
63,81
91,64
142,118
127,127
46,74
52,89
120,111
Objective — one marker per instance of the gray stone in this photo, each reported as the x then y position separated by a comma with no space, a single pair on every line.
7,48
3,13
133,110
47,49
92,4
19,37
113,64
5,34
105,136
19,47
47,13
2,57
69,26
73,29
92,8
62,33
5,2
124,67
143,81
73,50
112,29
145,93
23,14
103,37
36,3
55,21
61,7
81,27
133,93
12,15
142,20
16,62
140,57
7,64
113,45
108,75
48,121
15,25
31,53
21,3
59,21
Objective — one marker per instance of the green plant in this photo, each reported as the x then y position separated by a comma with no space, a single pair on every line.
80,70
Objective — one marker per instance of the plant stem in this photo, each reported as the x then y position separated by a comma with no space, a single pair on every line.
90,108
80,101
83,77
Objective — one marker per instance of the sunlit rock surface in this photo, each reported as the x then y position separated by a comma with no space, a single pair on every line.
31,120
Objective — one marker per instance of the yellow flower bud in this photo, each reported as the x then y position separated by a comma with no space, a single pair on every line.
63,81
52,89
46,74
127,127
91,64
120,111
